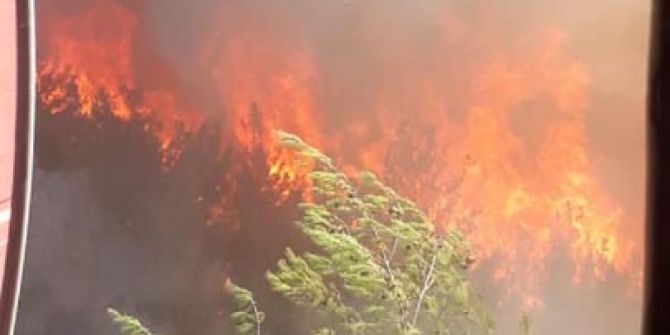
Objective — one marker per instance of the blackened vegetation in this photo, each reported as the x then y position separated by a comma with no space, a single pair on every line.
111,227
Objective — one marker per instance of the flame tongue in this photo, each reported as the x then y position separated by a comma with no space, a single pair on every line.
506,159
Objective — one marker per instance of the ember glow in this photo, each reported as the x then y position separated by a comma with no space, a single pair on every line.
484,130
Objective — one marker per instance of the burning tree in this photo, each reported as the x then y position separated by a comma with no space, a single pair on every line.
379,265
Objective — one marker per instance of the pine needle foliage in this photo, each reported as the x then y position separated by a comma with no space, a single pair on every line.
128,325
248,318
381,266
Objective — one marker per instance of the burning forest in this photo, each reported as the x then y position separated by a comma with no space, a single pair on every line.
158,177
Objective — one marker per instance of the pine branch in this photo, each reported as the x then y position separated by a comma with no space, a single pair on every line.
378,260
128,325
379,267
428,282
248,318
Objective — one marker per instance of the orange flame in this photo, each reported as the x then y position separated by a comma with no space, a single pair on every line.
92,54
523,190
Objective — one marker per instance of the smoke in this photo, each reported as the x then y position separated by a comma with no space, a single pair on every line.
407,89
135,238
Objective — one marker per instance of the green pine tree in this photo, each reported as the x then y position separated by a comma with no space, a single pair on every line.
380,265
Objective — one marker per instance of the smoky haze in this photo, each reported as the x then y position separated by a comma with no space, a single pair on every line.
110,228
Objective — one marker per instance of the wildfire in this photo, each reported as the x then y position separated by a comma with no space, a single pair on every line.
516,177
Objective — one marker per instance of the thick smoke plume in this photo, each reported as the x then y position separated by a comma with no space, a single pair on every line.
521,122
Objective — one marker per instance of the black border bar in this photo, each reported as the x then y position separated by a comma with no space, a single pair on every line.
657,286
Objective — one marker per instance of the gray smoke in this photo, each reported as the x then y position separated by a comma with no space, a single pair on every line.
108,228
